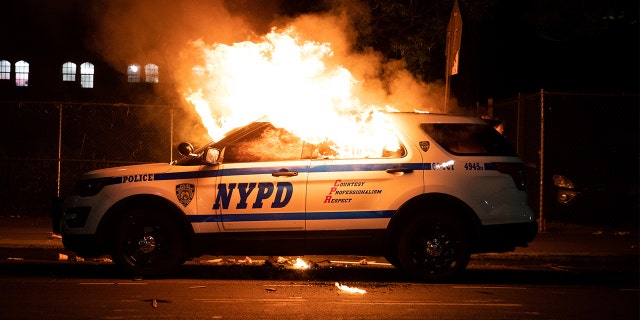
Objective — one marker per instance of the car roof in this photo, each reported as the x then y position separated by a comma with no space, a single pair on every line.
425,117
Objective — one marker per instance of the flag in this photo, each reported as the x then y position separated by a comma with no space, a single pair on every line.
454,36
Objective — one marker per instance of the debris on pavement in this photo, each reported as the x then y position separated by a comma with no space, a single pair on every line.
15,259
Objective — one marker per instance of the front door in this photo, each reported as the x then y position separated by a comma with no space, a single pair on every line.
262,183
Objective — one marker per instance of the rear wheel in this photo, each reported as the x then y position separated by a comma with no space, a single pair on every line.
147,243
434,247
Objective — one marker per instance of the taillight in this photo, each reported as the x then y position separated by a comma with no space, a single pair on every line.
515,170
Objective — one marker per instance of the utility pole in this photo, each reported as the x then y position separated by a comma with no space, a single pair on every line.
452,51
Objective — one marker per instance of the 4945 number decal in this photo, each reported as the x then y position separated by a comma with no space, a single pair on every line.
473,166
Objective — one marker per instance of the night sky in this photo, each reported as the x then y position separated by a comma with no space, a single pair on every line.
507,46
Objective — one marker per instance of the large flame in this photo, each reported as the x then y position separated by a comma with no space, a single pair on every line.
296,85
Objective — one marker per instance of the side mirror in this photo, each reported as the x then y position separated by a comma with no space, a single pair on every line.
211,156
185,149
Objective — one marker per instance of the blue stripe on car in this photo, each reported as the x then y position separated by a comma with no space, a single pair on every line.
254,217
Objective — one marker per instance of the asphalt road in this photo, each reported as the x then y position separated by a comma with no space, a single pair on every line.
95,290
564,274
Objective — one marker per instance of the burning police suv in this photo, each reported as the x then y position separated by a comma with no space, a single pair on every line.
448,187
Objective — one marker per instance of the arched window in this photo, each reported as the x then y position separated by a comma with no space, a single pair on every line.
133,73
151,73
198,71
5,70
69,71
86,75
22,74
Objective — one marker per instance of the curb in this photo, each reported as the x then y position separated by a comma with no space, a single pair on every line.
600,258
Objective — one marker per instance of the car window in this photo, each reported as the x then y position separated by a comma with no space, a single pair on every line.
329,150
266,143
469,139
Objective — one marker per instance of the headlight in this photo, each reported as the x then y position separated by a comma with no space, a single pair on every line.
562,182
90,187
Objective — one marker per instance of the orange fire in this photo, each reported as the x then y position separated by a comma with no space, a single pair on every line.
301,264
296,85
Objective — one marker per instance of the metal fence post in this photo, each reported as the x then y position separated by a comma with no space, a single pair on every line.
59,150
519,144
171,135
542,225
56,206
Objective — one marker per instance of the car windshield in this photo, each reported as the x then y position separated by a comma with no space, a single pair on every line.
469,139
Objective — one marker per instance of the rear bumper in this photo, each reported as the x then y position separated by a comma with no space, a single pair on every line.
506,237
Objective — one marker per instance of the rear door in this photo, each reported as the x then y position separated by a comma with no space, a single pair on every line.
355,198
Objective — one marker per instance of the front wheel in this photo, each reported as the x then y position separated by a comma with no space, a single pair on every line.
434,247
147,243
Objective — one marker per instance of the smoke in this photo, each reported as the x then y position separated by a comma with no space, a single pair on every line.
163,32
158,31
381,81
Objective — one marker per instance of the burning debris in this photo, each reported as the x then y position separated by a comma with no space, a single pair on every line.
300,264
297,263
294,263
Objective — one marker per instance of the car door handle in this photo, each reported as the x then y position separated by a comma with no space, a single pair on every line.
284,173
399,170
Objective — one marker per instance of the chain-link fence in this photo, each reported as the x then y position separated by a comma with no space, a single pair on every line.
582,154
47,146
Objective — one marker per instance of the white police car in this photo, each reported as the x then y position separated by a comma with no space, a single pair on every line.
453,187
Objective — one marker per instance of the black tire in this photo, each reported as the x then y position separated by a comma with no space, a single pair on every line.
434,248
147,243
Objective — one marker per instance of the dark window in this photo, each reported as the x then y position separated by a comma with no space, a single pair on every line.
469,139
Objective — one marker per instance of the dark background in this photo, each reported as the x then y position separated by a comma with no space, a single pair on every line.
507,46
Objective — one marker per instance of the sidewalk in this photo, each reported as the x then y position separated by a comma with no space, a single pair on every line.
31,238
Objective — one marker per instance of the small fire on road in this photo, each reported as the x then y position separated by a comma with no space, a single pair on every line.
349,289
300,264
